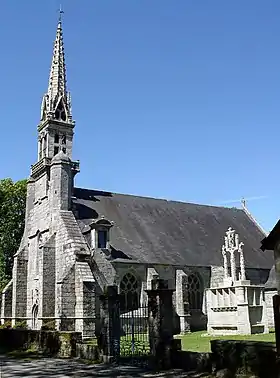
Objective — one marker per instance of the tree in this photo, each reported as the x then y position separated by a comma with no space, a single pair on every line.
12,217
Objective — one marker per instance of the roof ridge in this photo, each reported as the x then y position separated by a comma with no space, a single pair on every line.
158,199
253,219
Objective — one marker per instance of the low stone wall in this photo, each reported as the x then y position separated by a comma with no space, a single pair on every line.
88,352
192,361
51,343
253,358
17,339
230,358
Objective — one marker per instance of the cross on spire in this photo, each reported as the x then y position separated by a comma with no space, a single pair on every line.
61,11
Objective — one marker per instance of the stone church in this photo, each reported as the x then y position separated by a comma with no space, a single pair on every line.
77,241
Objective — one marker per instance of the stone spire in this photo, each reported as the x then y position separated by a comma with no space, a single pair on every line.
56,102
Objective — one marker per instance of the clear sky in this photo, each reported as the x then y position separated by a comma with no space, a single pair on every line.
172,98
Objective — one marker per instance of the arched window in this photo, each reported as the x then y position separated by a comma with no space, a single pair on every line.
129,293
60,114
195,292
35,316
39,245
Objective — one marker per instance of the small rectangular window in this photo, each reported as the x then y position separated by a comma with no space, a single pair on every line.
56,149
102,239
56,138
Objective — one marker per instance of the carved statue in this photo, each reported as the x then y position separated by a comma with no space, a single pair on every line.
224,253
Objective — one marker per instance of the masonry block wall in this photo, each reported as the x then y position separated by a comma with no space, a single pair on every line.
217,276
20,285
48,278
269,294
6,302
68,302
89,308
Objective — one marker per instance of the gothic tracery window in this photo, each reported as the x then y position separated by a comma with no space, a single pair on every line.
129,293
195,292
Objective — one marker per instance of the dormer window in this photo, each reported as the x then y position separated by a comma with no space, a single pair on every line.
102,237
100,233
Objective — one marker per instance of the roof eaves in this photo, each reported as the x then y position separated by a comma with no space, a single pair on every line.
268,243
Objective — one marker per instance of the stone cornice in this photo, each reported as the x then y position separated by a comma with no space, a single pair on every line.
53,122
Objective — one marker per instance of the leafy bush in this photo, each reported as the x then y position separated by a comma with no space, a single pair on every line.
21,324
7,324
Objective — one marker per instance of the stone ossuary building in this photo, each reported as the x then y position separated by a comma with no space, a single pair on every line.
77,241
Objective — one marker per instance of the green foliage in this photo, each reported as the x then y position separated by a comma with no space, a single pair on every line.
21,324
48,325
7,324
12,216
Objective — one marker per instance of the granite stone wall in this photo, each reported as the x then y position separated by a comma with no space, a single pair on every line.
68,302
48,277
269,306
6,302
89,309
20,285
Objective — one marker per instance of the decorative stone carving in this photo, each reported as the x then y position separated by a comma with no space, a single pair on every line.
242,262
35,297
236,307
224,253
231,246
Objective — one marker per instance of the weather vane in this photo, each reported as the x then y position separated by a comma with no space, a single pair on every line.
60,13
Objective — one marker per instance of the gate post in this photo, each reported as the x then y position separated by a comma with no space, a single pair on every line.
276,310
109,334
161,324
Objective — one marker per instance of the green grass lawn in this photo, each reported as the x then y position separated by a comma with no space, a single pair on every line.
194,341
198,342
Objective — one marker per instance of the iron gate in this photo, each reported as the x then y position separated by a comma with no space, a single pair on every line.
132,346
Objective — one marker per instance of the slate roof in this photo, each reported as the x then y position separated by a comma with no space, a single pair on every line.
269,242
271,283
152,230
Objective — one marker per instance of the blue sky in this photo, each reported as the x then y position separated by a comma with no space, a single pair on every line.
172,98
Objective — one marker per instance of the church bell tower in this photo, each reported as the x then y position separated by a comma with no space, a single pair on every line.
54,171
56,127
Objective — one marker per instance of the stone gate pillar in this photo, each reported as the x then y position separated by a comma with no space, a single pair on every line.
109,330
162,324
182,301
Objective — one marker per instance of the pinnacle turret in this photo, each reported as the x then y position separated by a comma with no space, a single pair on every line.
56,102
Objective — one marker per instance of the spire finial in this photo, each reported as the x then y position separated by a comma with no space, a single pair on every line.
61,11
